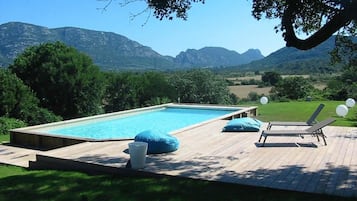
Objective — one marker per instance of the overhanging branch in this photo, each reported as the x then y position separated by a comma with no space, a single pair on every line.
338,21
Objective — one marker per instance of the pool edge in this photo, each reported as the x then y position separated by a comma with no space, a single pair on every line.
28,137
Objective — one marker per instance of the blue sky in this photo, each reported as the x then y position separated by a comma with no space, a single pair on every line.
224,23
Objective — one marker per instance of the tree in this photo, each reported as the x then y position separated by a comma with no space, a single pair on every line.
153,87
19,102
64,80
317,18
201,86
292,88
271,78
121,92
131,90
344,86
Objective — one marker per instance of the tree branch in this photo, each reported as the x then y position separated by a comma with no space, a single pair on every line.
338,21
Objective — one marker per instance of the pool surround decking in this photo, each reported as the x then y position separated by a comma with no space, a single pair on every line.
207,153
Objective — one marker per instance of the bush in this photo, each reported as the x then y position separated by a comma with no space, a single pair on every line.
7,124
294,88
19,102
40,115
253,96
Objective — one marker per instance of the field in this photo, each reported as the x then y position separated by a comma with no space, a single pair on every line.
242,91
259,77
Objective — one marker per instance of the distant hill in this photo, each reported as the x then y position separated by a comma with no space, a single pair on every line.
108,50
215,57
112,51
288,59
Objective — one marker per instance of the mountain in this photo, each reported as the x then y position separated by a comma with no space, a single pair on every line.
289,59
108,50
112,51
215,57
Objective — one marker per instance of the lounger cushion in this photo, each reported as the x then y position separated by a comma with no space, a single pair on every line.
243,124
158,142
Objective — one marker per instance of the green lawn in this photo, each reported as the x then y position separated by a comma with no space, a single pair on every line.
301,111
4,138
20,184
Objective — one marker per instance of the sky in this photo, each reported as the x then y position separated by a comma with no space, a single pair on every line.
217,23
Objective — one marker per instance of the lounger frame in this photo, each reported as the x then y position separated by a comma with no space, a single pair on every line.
309,122
315,130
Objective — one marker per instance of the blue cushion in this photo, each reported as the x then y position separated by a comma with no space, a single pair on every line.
243,124
158,142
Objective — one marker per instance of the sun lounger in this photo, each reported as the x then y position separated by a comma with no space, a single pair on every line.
315,130
309,122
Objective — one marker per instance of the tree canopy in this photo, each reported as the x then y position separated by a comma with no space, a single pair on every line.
319,19
64,80
292,88
18,101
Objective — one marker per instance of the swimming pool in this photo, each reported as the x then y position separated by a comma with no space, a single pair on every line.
124,125
167,120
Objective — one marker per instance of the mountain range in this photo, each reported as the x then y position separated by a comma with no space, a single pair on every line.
292,60
111,51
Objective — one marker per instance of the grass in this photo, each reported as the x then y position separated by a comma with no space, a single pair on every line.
301,111
4,138
21,184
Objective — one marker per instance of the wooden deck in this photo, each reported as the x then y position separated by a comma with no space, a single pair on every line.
289,163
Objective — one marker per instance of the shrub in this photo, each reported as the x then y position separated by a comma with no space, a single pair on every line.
253,96
19,102
7,124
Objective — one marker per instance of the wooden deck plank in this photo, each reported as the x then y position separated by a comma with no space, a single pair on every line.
16,156
208,153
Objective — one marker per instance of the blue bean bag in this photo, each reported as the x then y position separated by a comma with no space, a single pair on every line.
158,142
243,125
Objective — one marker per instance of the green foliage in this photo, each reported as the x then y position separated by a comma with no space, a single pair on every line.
250,82
154,85
292,88
64,80
7,124
271,78
336,90
253,96
130,90
14,95
230,82
344,86
200,86
18,101
39,115
120,92
166,9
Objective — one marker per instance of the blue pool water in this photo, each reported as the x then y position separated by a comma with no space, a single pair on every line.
165,120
